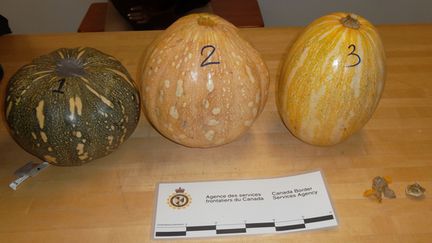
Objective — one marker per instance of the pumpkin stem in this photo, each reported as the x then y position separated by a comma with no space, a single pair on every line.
69,68
205,20
351,21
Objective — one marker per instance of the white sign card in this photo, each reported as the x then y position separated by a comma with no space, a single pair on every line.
243,207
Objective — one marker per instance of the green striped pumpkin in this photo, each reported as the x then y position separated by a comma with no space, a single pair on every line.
72,106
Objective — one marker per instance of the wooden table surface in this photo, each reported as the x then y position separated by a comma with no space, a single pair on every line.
112,199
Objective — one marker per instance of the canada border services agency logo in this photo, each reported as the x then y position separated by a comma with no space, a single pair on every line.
180,199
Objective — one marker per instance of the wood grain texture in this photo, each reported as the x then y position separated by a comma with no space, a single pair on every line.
112,199
94,19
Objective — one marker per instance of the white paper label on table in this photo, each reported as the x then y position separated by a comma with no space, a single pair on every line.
243,207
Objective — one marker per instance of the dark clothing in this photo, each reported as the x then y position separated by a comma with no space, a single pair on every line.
155,15
4,29
1,72
4,26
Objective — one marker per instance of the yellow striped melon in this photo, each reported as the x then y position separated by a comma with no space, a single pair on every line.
202,85
331,79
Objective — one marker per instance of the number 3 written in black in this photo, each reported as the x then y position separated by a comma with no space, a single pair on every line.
352,53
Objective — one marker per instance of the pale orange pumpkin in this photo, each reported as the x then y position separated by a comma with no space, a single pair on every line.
202,84
331,79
